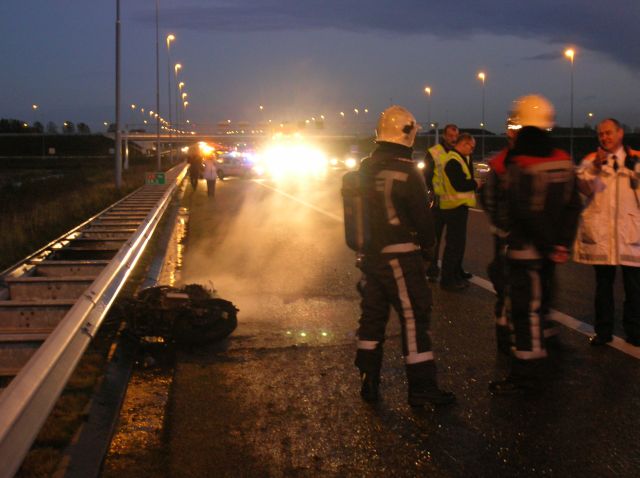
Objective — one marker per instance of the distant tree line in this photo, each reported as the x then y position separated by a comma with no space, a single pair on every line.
18,126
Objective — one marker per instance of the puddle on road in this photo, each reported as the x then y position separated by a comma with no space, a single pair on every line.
170,274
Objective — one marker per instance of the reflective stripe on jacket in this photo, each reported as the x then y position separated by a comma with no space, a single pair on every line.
450,197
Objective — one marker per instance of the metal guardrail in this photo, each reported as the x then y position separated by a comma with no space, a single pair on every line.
29,398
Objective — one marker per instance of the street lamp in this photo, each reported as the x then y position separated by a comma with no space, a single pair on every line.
427,91
570,53
171,37
180,84
35,107
117,139
482,77
158,151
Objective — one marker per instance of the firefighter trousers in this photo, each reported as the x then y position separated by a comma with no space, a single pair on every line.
396,281
531,290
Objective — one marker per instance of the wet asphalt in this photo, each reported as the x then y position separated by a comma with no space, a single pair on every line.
280,396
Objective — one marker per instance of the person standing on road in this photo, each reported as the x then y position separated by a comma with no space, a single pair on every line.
609,231
458,195
401,238
210,174
195,169
493,198
543,206
433,174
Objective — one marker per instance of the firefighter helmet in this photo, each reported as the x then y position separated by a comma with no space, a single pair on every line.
397,125
531,110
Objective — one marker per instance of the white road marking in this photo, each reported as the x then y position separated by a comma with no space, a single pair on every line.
560,317
571,322
304,203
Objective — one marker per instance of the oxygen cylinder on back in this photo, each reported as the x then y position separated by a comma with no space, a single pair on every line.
356,220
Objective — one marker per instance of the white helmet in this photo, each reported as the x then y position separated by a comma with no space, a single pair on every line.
531,110
397,125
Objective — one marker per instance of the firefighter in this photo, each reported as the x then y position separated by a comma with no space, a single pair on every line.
492,196
401,238
542,208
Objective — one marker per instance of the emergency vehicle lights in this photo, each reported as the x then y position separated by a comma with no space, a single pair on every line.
287,157
205,149
350,163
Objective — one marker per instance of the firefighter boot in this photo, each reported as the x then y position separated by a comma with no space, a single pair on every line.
423,386
421,394
524,378
369,362
370,383
503,339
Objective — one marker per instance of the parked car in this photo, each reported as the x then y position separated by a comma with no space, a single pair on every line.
233,164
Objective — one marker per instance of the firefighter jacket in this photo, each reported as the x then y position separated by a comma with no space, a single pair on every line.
609,230
493,194
458,183
543,203
399,217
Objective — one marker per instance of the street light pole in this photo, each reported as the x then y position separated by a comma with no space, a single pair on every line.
570,53
482,77
177,67
158,155
35,108
427,90
183,97
170,38
118,142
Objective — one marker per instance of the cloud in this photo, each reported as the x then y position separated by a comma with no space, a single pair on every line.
552,55
606,27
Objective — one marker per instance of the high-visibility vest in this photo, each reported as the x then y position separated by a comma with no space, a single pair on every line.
439,155
451,198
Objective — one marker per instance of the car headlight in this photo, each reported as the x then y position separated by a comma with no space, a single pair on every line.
350,163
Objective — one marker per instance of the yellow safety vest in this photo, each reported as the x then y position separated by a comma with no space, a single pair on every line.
439,156
451,198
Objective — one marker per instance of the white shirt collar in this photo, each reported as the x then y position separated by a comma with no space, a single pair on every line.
619,153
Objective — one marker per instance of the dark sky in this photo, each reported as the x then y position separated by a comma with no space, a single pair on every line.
309,57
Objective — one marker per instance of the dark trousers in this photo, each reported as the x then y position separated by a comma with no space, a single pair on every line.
604,302
455,220
438,227
211,187
398,282
194,175
497,270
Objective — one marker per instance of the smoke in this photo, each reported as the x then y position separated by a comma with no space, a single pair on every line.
279,261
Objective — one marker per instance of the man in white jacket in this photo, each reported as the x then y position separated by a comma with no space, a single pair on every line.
609,231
